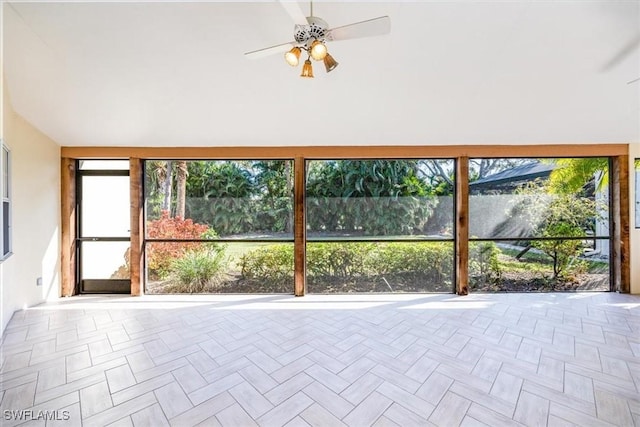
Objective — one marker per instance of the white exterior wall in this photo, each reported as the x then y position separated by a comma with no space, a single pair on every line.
634,153
35,190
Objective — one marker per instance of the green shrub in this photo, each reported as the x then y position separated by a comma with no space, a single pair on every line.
197,270
484,261
432,259
417,261
338,259
369,197
161,255
563,215
562,252
273,263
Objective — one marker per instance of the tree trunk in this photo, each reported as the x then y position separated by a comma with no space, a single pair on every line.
288,227
166,202
181,188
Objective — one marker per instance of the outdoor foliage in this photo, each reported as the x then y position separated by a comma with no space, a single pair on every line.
338,259
232,197
273,263
566,216
375,197
219,194
330,261
484,262
197,271
573,174
416,258
555,217
161,255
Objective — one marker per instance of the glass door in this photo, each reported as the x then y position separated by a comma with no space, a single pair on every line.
103,227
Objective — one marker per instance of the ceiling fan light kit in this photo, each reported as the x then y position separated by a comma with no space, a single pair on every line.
318,50
311,35
293,56
329,62
307,69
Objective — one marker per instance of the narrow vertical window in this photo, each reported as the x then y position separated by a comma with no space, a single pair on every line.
637,192
6,201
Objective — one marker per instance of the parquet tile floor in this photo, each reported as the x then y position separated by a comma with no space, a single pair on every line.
570,359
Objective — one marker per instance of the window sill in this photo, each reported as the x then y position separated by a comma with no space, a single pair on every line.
5,257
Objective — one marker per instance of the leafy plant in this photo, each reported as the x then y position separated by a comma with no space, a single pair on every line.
161,255
271,263
416,259
558,219
338,259
373,197
328,261
573,174
196,270
484,262
241,196
561,251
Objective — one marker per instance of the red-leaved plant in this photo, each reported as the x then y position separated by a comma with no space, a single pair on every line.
160,255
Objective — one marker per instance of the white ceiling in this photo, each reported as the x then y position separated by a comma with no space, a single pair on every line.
450,72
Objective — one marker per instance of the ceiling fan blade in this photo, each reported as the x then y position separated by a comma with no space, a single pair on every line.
295,12
626,51
633,81
267,51
371,27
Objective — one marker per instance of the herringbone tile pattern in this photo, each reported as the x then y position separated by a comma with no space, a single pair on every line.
357,360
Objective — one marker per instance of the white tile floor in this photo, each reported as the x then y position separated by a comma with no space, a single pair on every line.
356,360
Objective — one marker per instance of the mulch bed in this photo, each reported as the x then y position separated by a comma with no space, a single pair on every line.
531,282
509,282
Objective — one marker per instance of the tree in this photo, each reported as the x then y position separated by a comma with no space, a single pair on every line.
166,188
274,186
181,188
559,220
371,197
157,188
440,172
221,194
573,174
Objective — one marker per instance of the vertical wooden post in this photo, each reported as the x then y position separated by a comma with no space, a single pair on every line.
462,225
299,227
621,225
136,253
68,227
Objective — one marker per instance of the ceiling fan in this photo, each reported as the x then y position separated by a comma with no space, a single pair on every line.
626,51
311,35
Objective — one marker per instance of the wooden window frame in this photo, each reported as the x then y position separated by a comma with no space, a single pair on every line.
461,153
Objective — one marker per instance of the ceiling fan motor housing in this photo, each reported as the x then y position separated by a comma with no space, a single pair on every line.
316,30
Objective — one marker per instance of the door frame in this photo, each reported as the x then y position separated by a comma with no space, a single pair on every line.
95,286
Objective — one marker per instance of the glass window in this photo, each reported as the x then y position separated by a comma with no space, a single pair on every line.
104,164
539,224
229,223
219,267
6,201
380,225
637,191
379,199
105,206
344,266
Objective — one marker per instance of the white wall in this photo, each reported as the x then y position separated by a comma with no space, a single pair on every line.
35,180
634,153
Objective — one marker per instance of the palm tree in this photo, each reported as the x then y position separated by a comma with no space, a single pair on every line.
166,188
181,188
573,174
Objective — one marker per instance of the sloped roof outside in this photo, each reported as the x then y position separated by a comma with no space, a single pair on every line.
519,173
